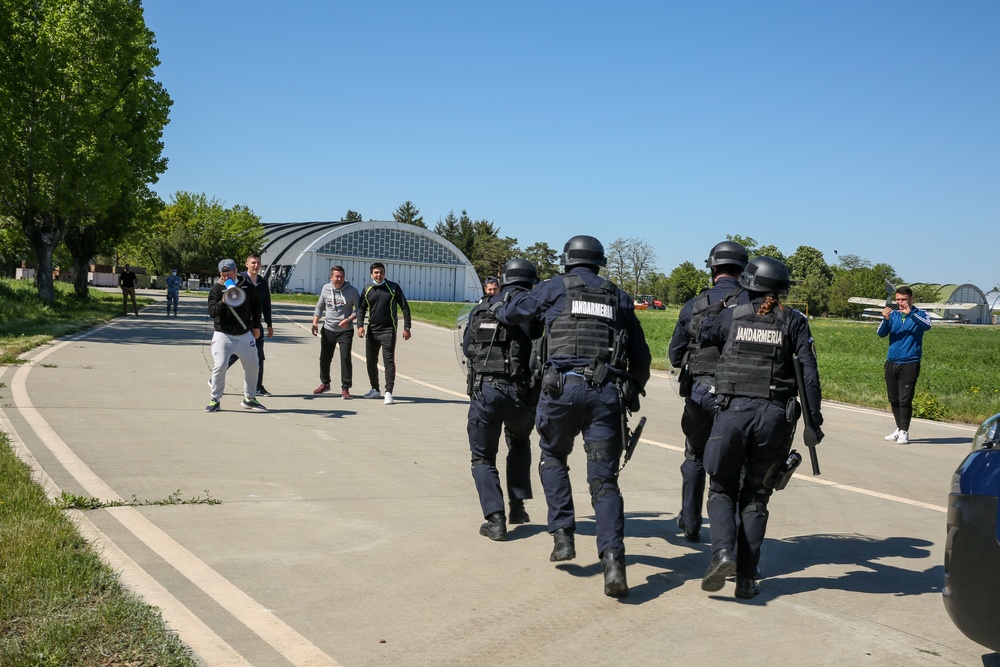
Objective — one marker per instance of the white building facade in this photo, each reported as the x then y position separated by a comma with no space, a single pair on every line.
298,257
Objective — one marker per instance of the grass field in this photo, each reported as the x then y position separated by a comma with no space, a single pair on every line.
959,377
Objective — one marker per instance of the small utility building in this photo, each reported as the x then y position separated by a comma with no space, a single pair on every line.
298,257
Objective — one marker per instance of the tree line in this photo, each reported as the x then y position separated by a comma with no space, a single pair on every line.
81,125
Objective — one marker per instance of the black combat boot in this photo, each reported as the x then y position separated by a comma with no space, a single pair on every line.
613,564
517,511
564,548
495,527
746,587
723,565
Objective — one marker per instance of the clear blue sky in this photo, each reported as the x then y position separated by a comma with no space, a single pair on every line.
862,126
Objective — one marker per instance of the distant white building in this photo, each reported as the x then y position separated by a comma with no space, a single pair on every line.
993,302
298,257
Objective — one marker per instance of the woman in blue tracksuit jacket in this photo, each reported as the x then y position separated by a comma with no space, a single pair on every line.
905,328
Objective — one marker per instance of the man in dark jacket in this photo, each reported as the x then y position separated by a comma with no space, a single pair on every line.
234,306
726,261
379,302
252,275
597,353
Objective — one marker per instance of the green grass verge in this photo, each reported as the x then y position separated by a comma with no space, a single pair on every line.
959,376
60,605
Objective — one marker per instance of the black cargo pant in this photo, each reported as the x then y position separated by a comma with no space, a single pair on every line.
900,385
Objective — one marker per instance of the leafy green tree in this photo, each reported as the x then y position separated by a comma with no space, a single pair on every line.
81,116
13,246
459,231
352,216
545,259
685,282
87,238
194,232
811,279
408,214
769,251
491,251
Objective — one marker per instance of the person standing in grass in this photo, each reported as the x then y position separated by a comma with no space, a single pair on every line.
905,328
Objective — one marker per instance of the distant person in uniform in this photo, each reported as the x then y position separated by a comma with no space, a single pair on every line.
756,391
597,353
337,305
905,328
502,398
126,280
173,291
380,302
697,363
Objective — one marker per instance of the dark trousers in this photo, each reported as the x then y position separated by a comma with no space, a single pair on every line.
329,340
384,340
900,385
696,423
596,413
492,408
748,437
260,361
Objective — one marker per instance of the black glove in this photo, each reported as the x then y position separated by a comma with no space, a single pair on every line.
819,435
630,395
494,307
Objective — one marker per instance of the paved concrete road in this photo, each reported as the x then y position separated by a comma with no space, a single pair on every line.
348,530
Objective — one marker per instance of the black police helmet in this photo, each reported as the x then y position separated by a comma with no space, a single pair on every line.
518,270
583,250
766,275
728,252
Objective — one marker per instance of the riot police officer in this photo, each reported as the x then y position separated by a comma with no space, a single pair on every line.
503,395
753,430
697,363
595,349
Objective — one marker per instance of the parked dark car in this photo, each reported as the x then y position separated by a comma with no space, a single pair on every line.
972,549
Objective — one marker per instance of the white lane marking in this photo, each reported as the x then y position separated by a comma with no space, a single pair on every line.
202,641
283,638
825,482
361,357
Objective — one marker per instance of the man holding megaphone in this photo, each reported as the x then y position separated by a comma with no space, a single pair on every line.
234,306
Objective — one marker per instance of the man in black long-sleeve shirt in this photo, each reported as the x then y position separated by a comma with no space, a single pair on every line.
379,302
237,328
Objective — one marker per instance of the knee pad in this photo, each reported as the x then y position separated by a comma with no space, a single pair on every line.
602,449
602,487
551,462
480,461
758,506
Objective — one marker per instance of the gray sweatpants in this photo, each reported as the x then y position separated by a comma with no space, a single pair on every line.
243,346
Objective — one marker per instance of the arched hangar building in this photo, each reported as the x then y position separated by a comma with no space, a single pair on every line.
967,293
298,257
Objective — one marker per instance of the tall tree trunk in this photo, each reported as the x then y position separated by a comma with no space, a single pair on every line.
82,244
44,232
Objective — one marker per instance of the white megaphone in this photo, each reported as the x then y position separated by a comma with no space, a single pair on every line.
233,296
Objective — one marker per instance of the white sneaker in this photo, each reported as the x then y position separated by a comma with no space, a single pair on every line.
903,439
388,398
372,394
892,437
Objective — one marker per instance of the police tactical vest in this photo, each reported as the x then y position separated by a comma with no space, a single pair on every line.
586,325
756,360
497,350
702,361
